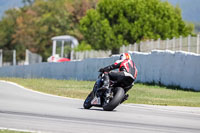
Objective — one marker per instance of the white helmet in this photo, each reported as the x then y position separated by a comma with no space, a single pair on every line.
125,56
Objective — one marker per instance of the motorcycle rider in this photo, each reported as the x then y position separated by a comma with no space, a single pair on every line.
126,75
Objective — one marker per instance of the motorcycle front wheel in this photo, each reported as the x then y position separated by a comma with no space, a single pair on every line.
87,102
116,100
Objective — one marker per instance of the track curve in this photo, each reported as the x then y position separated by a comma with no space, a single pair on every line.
23,109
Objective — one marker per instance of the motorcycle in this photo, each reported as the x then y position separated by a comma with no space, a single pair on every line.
110,98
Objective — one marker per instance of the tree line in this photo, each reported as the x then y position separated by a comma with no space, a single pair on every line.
98,24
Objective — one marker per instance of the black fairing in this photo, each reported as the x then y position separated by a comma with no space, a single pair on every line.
97,84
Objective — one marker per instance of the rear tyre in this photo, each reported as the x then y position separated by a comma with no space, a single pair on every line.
87,102
116,100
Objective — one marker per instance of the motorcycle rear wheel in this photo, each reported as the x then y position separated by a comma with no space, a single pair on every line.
116,100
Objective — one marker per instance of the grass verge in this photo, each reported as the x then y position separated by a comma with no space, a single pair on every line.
140,93
11,131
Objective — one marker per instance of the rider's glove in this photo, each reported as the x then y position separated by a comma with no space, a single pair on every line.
101,70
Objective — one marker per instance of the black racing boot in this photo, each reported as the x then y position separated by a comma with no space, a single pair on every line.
125,98
106,81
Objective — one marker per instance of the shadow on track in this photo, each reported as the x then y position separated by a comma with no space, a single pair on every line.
97,109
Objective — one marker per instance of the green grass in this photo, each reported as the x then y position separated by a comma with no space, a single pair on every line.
11,131
140,93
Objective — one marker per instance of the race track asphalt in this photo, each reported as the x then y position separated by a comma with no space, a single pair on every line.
26,110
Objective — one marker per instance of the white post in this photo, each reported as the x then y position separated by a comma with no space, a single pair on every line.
54,48
27,58
78,56
62,49
1,57
198,40
72,52
173,43
180,43
14,57
140,47
189,38
135,47
71,55
145,46
129,47
92,54
123,49
158,41
167,43
151,43
86,54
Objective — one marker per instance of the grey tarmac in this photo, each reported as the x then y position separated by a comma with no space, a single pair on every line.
26,110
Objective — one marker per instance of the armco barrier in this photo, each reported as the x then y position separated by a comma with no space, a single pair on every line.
165,67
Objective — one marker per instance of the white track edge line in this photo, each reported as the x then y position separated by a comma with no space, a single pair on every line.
160,108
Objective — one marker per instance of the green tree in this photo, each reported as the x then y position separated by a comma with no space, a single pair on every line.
32,26
121,22
77,9
7,29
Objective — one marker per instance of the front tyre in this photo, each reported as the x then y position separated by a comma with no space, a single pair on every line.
116,100
87,102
